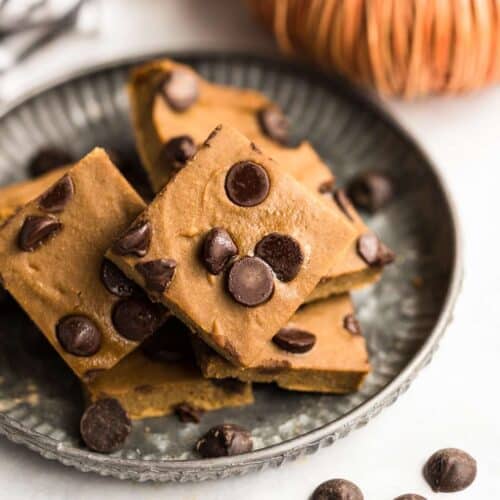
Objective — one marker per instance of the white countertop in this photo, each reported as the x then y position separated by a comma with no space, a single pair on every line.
453,402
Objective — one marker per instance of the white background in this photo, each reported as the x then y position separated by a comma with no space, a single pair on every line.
454,402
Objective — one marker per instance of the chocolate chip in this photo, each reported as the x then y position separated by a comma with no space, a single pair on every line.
187,413
58,196
282,253
136,318
294,340
105,426
351,324
158,274
337,489
48,159
36,230
115,281
175,153
135,241
247,184
343,203
326,187
90,375
78,335
373,251
450,470
250,281
180,89
274,124
410,496
217,250
224,440
370,190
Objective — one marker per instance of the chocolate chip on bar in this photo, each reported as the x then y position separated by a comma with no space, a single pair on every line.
176,152
36,230
218,249
158,274
274,124
294,340
135,241
247,184
58,196
78,335
180,89
115,281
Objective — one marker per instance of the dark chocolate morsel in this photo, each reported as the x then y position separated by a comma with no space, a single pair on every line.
373,251
78,335
47,159
247,184
343,203
410,496
351,324
136,318
274,124
187,413
217,250
326,187
450,470
105,426
180,89
36,230
294,340
224,441
115,281
158,274
337,489
58,196
282,253
250,281
175,153
370,190
135,241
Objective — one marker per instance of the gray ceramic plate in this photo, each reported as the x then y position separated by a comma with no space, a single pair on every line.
40,404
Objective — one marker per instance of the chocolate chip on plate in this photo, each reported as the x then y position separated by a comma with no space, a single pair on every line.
217,250
135,241
175,153
250,281
115,281
58,196
450,470
247,184
343,202
105,426
370,190
47,159
78,335
274,124
373,251
294,340
351,324
136,318
337,489
180,89
187,413
282,253
158,274
224,441
410,496
36,230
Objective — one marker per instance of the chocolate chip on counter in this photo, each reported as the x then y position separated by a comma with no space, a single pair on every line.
326,187
370,190
410,496
135,241
343,202
115,281
337,489
224,441
136,318
175,153
351,324
373,251
294,340
78,335
36,230
105,426
250,281
217,250
449,470
247,184
158,274
274,124
282,253
48,159
180,89
58,196
187,413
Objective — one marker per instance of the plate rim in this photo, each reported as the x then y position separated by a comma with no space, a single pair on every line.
275,455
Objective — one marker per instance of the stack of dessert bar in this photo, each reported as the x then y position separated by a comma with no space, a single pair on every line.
238,271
